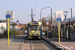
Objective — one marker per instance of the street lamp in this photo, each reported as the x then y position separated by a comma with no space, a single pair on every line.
41,10
65,14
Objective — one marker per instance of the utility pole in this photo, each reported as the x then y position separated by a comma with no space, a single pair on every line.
32,15
71,12
51,15
51,18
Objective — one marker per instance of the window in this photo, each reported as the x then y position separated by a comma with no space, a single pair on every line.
34,27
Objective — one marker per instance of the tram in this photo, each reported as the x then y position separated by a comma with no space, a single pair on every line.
67,29
34,30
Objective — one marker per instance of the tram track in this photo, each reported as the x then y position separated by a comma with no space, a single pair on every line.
36,44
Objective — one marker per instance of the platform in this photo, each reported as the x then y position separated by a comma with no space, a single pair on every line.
15,43
64,43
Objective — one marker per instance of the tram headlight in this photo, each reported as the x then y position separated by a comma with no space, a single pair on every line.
39,23
32,31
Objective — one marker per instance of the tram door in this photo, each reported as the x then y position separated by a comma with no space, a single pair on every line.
67,32
61,32
64,31
56,29
72,32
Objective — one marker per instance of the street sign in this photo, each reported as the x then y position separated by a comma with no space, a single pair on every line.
7,15
60,14
11,12
58,19
47,23
17,21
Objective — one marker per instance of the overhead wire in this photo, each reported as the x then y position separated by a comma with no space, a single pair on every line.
36,5
71,7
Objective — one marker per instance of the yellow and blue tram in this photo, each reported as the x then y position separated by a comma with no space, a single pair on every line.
34,30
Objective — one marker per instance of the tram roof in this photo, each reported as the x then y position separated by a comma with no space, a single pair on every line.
54,24
64,21
72,19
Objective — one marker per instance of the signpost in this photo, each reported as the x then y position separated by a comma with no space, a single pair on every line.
11,12
47,22
59,19
17,22
9,16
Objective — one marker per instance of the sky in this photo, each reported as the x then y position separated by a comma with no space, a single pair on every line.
23,8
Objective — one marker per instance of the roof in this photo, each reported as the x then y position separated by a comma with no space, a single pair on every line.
64,21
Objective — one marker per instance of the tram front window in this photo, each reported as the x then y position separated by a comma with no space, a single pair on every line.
34,27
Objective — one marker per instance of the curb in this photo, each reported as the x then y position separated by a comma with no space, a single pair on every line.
54,45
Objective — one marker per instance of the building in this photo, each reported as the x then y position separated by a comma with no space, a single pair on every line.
2,27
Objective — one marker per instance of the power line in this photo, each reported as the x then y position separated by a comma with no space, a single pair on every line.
36,5
71,7
71,10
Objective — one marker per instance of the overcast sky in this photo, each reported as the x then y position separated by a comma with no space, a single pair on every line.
23,8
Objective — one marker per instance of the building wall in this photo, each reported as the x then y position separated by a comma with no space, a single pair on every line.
2,27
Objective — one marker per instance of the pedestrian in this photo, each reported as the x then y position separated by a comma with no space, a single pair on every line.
46,33
50,34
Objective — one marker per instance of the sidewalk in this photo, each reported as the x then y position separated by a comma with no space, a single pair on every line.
15,43
64,43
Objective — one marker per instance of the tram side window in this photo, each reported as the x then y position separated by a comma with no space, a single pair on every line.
71,30
74,29
64,29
